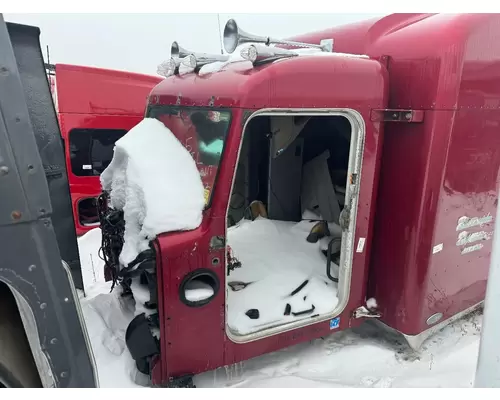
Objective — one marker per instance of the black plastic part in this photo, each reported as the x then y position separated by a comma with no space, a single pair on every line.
305,312
49,141
155,320
329,260
143,365
141,343
146,255
253,313
288,309
203,273
151,282
302,285
143,280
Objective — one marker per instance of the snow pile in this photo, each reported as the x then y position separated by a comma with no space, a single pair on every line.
91,263
276,262
198,291
107,316
154,179
362,357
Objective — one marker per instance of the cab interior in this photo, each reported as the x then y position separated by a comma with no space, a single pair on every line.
284,236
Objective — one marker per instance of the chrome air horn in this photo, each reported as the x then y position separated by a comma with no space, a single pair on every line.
235,36
192,59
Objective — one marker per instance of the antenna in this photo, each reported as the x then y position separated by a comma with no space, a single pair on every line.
48,66
220,34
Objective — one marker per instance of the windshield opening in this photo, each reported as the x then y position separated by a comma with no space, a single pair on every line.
202,132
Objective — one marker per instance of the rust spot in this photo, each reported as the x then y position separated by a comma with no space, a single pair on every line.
16,215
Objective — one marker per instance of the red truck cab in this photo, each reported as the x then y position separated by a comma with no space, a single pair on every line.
95,108
256,99
390,140
437,194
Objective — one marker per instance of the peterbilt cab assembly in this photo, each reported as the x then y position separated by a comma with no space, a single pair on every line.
346,174
353,175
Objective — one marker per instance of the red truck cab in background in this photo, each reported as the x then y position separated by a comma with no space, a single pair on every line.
95,108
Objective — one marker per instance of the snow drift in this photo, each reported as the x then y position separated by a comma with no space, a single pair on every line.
361,357
156,183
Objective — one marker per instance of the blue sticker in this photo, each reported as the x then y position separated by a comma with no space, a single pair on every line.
334,323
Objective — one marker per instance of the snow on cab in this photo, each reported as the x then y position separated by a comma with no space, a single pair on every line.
352,178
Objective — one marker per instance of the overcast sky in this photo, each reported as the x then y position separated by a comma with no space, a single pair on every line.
139,42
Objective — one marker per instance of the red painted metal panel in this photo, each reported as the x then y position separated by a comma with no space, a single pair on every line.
432,172
95,98
435,172
194,339
86,90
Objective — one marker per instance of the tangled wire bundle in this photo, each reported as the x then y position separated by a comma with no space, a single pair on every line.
112,228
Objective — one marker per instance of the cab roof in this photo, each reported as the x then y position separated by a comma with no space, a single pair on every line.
276,84
435,61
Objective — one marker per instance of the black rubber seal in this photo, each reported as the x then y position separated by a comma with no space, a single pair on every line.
199,273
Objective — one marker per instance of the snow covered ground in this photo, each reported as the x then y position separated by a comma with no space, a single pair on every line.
364,357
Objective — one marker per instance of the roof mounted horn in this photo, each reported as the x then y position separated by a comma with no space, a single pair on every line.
235,36
180,55
193,59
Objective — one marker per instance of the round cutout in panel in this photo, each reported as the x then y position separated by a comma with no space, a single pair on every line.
199,287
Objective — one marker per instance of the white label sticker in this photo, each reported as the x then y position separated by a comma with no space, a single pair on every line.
86,166
437,248
361,245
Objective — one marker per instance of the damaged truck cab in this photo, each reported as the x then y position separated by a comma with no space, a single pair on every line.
341,182
264,110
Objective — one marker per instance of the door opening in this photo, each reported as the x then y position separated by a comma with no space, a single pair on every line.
283,220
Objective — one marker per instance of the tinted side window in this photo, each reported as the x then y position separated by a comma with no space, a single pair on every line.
91,150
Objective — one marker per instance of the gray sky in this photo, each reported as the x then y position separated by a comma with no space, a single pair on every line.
139,42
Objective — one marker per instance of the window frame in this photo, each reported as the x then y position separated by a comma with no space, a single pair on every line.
91,132
229,111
